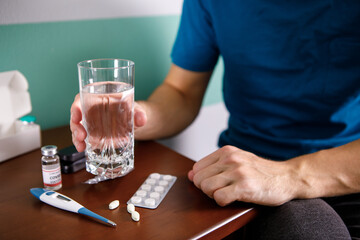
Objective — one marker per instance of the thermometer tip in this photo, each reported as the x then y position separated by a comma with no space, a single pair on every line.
112,223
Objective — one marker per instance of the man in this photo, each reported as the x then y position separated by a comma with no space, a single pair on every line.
292,87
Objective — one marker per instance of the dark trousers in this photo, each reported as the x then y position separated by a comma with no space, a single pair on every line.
325,218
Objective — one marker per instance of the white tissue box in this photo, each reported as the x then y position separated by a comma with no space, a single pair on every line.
15,137
24,138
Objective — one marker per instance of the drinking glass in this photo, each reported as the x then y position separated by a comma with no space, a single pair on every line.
107,104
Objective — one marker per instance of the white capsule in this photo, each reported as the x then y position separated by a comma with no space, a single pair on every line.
114,204
135,216
130,208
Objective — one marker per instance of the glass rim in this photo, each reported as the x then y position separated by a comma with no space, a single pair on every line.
131,63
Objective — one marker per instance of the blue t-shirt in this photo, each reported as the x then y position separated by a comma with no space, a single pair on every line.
291,70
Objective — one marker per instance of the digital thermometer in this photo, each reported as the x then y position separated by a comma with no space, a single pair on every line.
58,200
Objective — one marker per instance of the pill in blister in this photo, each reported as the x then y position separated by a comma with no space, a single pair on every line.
130,208
155,176
163,183
146,187
150,202
151,181
141,193
155,195
135,216
168,177
114,204
159,189
152,191
136,199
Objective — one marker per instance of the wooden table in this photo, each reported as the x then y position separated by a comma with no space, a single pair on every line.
185,213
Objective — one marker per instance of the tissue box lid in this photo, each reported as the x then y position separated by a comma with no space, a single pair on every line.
14,96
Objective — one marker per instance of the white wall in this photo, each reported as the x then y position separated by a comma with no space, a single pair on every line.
201,137
32,11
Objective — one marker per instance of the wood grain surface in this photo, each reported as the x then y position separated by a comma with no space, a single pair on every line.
185,212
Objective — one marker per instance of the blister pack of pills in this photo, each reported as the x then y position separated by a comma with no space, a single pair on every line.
152,191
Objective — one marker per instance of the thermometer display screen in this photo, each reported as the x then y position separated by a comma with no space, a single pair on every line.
63,198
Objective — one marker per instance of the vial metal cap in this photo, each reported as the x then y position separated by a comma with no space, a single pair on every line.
49,150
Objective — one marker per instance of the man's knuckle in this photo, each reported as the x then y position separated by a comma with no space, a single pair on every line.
206,185
196,180
228,159
227,149
220,197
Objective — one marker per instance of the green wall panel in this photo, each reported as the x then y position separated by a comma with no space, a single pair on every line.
47,54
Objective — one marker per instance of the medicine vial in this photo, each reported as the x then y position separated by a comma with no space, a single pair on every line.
51,170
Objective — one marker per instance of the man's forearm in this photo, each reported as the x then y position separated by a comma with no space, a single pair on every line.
327,173
167,114
174,104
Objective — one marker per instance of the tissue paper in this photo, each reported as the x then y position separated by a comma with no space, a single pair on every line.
15,103
14,100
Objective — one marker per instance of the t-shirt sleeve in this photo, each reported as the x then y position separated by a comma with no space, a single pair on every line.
195,46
